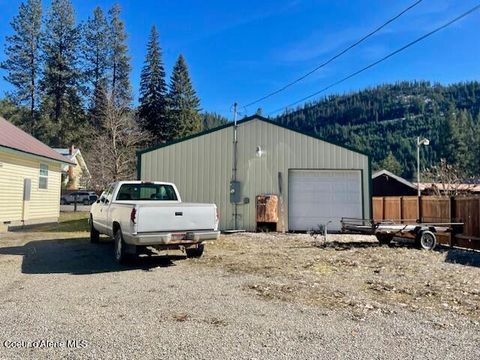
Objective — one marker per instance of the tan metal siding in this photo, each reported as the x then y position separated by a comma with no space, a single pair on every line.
43,204
202,166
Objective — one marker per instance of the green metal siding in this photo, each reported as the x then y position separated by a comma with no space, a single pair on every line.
201,166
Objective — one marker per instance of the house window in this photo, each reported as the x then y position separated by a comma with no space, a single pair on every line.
43,179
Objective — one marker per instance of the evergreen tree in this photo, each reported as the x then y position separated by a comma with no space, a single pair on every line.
13,113
96,58
475,148
452,144
212,120
61,110
23,57
98,104
153,89
466,156
391,164
119,59
184,105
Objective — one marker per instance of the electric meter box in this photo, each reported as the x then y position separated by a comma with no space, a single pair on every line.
235,194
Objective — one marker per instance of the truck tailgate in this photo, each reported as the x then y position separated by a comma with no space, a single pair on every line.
159,217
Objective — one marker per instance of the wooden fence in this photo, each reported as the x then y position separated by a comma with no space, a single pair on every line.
434,209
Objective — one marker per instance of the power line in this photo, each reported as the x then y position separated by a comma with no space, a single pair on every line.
475,8
336,56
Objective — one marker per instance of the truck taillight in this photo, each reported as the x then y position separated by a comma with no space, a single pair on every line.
133,215
217,216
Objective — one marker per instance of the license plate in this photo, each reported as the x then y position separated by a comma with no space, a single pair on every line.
178,236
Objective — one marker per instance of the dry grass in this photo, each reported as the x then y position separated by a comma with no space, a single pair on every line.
68,222
71,225
352,271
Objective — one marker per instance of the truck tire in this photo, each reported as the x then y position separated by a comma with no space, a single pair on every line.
384,239
120,247
94,234
195,252
427,240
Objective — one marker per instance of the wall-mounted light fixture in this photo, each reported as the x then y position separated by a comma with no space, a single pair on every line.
259,152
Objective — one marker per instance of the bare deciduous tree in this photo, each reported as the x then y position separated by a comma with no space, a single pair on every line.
113,153
446,180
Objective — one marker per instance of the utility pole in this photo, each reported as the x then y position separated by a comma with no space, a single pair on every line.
418,167
235,156
235,126
425,142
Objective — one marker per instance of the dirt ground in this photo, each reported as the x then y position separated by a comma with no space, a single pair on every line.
353,272
252,295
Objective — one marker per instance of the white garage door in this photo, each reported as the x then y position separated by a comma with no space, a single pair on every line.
318,196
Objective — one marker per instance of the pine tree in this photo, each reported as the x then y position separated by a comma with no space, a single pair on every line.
15,114
184,105
62,112
96,59
450,136
391,164
23,57
466,155
98,104
475,148
119,59
212,120
153,89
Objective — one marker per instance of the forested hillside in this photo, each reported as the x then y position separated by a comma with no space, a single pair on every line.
384,121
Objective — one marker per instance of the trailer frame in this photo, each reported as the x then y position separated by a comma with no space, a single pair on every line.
424,234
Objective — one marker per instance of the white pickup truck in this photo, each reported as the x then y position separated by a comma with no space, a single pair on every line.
140,214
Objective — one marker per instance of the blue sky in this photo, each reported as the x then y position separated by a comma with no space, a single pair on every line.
241,50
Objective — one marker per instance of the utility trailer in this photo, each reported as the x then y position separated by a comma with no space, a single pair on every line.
424,234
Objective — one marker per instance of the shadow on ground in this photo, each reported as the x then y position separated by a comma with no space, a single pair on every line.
349,245
79,257
462,257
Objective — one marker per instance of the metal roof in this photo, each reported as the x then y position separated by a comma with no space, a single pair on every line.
393,176
473,188
14,138
244,120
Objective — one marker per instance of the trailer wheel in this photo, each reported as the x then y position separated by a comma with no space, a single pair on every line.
384,239
427,240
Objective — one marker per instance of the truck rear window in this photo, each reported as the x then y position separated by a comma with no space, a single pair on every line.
153,192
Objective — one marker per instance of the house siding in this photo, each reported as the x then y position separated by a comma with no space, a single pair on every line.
43,204
201,167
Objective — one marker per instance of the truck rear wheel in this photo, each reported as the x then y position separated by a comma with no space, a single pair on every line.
94,234
120,247
195,252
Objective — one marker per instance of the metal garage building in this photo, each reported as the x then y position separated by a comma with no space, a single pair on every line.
316,181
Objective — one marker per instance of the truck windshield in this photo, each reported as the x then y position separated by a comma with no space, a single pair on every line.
153,192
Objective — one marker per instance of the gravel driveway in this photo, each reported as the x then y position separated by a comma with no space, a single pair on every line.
59,287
